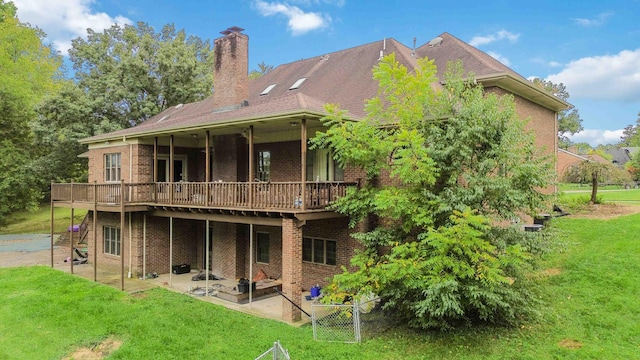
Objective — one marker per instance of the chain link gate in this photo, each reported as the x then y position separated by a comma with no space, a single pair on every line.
277,352
336,323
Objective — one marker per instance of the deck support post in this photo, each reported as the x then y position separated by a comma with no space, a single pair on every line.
122,227
291,269
51,227
303,161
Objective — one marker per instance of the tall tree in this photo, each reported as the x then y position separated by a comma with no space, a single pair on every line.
262,69
456,162
123,76
569,121
28,71
132,72
631,135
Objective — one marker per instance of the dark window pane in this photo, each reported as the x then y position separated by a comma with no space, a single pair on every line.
262,248
331,252
307,249
318,251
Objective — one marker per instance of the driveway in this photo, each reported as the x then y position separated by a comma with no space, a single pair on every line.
29,249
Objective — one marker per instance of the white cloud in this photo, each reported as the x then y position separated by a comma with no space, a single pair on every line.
499,57
488,39
338,3
299,21
608,77
65,20
599,20
597,137
554,64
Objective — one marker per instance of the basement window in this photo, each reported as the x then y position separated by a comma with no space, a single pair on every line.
267,89
298,83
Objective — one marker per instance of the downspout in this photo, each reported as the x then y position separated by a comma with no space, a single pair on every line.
52,228
250,263
130,248
124,140
170,250
206,265
144,246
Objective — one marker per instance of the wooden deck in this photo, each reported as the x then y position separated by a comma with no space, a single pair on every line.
282,196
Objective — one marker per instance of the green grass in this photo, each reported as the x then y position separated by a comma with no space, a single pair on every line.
586,187
620,195
592,302
39,221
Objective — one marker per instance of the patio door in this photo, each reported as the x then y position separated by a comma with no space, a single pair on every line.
179,169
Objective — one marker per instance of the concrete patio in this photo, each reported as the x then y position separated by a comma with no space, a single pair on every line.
267,306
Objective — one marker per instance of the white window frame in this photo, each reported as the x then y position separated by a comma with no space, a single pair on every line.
314,259
111,240
112,167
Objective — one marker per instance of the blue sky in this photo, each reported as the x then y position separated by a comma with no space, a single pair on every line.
593,47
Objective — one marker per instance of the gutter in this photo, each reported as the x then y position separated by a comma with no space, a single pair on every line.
240,122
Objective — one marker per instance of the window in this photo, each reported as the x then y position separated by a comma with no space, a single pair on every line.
262,248
298,83
112,167
264,165
267,89
321,167
319,251
111,240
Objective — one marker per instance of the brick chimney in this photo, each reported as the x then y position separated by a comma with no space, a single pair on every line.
231,69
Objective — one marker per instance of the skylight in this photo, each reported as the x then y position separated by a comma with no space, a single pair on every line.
267,89
298,83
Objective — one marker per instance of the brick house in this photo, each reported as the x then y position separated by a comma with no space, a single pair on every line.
233,173
567,159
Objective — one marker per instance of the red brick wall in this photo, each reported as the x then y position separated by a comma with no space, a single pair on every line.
185,242
541,121
274,268
285,160
231,69
330,229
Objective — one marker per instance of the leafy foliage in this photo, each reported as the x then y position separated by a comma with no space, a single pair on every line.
123,76
443,167
630,135
569,121
28,72
262,69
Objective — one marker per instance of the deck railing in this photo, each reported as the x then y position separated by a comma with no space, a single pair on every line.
260,195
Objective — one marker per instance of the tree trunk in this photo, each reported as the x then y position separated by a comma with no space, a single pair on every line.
594,186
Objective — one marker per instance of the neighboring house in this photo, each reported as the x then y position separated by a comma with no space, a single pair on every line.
233,173
568,159
622,155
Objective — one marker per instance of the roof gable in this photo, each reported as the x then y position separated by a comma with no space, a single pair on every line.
473,60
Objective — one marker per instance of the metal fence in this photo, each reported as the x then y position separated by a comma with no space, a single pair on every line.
276,352
336,323
350,323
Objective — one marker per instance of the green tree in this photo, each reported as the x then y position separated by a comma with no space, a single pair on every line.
262,69
132,72
630,135
123,76
443,167
569,121
29,70
589,171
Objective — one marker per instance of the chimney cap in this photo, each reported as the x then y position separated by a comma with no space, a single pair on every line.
231,30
